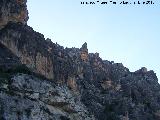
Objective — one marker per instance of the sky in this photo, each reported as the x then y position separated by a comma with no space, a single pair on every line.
128,34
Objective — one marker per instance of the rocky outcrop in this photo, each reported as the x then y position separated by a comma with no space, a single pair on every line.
30,98
13,10
84,52
107,90
40,79
26,44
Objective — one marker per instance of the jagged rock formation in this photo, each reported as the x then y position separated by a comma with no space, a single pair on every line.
34,99
42,80
29,46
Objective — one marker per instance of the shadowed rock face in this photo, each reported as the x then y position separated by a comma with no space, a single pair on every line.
82,86
29,46
7,58
13,10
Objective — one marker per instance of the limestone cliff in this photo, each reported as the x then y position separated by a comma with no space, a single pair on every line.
28,46
13,10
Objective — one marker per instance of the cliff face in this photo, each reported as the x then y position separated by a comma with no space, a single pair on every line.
28,98
29,46
41,80
13,10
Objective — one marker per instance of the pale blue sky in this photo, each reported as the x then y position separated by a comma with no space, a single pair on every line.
128,34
